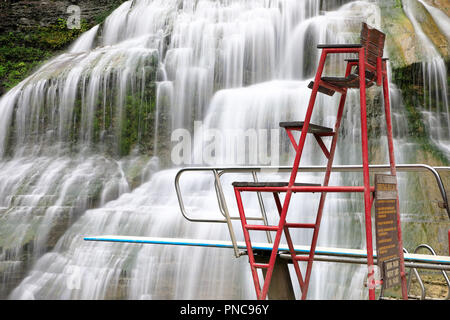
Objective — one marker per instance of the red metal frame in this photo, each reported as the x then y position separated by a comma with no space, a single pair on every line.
367,189
387,111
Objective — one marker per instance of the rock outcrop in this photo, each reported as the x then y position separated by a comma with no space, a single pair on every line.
19,14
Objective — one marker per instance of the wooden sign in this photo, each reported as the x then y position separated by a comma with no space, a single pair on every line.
391,271
386,226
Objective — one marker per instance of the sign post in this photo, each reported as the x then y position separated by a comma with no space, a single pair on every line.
386,226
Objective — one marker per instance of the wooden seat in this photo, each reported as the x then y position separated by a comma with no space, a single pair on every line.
373,41
313,128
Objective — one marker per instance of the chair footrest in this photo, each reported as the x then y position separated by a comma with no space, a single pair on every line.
322,89
313,128
357,60
339,46
352,81
271,184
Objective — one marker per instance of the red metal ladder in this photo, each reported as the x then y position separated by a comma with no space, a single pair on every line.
371,70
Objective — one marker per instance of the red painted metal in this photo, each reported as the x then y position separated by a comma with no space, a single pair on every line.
290,244
330,86
304,259
326,181
301,225
312,189
248,243
387,111
260,227
262,295
291,137
379,71
365,160
367,189
322,146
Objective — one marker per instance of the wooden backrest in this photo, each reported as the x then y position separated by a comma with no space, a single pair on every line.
373,40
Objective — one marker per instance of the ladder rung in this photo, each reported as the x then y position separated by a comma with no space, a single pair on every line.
246,187
312,128
261,265
301,258
260,227
301,225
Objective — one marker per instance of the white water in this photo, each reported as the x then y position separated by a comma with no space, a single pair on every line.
435,105
440,18
233,65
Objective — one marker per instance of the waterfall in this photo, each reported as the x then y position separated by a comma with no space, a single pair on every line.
154,69
435,102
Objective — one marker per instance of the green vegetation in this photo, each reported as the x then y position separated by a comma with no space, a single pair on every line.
136,123
22,51
117,127
409,80
398,4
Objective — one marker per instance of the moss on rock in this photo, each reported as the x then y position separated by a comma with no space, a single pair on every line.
409,79
402,43
430,28
22,51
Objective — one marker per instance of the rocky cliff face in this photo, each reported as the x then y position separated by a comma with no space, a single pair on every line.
20,14
32,31
404,46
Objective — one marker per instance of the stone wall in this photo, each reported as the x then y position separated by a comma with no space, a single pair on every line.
19,14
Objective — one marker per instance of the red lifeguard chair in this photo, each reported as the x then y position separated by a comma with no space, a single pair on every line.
370,70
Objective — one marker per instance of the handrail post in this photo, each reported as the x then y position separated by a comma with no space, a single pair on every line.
227,215
263,209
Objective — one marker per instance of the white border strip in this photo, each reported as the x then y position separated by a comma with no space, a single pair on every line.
259,246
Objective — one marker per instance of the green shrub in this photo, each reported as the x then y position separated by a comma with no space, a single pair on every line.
22,51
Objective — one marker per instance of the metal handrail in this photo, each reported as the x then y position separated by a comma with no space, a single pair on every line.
419,279
219,171
244,169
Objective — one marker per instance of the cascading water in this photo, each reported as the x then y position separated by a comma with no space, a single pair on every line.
231,66
59,129
435,102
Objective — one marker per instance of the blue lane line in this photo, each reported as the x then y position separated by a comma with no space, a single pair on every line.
212,244
256,247
176,243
